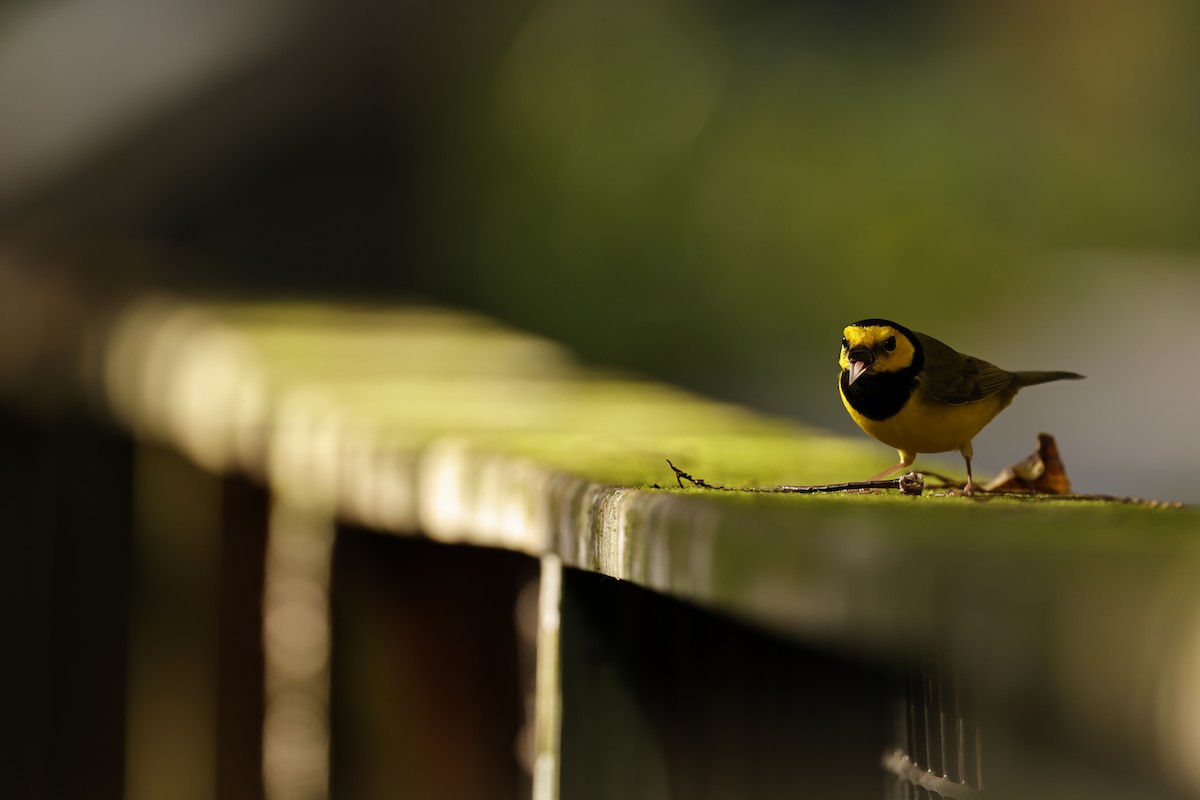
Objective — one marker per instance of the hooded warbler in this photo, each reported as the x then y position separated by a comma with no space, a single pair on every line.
914,393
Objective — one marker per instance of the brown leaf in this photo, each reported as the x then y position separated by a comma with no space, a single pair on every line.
1041,473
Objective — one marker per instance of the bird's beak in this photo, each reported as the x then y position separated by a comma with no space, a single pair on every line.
860,359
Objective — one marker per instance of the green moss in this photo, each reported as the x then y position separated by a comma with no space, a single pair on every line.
416,375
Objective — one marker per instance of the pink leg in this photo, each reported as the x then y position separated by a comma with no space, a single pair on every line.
887,472
967,451
906,460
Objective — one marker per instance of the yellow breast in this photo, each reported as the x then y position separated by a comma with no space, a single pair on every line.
926,426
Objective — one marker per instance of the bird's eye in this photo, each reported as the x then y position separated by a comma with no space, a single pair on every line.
889,343
845,344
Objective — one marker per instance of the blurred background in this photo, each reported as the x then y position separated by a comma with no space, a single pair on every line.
700,190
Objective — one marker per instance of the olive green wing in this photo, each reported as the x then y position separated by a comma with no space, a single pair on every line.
951,377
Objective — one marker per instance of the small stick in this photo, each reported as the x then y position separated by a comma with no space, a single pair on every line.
911,483
949,482
681,476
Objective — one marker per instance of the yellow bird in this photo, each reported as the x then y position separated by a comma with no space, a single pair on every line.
914,393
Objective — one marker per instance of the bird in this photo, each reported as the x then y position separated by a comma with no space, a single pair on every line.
918,395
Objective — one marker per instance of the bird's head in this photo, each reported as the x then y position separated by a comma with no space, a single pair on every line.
873,346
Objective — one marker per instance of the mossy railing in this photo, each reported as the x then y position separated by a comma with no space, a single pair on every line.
1056,643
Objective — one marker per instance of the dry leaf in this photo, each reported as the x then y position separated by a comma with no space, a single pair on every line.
1041,473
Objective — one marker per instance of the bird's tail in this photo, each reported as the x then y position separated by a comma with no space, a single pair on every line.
1034,378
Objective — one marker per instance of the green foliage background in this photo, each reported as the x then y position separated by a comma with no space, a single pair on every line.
709,192
705,191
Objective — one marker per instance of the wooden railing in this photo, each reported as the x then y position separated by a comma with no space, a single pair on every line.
300,550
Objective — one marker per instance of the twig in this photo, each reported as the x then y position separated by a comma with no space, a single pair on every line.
681,476
947,483
911,483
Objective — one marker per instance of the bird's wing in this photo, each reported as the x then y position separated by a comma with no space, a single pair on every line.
951,377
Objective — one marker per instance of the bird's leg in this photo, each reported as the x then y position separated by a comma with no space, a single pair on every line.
906,459
968,451
887,472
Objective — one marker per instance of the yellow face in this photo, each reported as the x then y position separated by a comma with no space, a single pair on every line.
870,349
